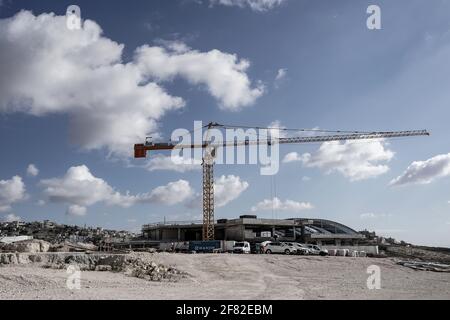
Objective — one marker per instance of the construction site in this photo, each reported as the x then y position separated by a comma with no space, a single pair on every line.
297,258
315,168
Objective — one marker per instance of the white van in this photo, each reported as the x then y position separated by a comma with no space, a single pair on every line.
241,247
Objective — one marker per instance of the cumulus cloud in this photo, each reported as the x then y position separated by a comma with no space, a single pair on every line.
80,188
172,163
256,5
292,157
76,210
32,170
425,172
171,194
226,189
279,205
355,160
11,191
45,68
12,218
223,74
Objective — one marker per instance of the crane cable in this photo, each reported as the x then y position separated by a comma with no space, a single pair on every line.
297,130
273,195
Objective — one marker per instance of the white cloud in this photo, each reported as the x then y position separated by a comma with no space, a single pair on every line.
354,160
223,74
32,170
12,218
292,157
168,163
226,190
11,191
79,188
306,179
278,205
45,68
76,210
171,194
425,172
256,5
48,69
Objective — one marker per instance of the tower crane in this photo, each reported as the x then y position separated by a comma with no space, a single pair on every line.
140,151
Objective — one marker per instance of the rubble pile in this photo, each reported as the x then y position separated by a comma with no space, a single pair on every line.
150,271
29,246
141,266
130,265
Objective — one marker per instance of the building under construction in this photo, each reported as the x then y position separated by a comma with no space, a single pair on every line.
253,229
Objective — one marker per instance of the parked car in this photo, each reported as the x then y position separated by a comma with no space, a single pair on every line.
279,247
301,249
241,247
316,250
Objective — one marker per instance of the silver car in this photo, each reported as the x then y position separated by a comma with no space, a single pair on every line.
301,249
279,247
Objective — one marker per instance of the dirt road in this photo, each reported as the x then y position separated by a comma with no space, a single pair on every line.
230,276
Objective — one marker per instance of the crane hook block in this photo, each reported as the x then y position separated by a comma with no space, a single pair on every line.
139,151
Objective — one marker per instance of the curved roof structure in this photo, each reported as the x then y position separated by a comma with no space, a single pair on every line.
322,226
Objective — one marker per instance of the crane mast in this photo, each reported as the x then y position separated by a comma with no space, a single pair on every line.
208,188
140,151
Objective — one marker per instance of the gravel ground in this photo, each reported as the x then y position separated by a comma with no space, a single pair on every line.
227,276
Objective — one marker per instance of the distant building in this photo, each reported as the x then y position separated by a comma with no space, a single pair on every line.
253,229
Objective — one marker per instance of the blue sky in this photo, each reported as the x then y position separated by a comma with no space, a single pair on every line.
337,75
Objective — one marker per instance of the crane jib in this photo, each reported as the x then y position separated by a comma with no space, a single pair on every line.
141,149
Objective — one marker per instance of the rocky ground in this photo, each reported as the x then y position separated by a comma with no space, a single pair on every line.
214,276
429,254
